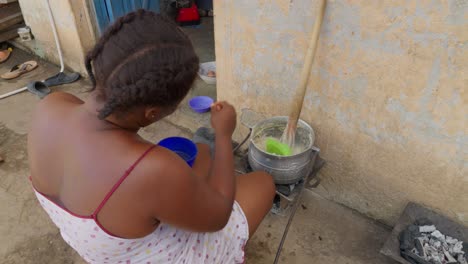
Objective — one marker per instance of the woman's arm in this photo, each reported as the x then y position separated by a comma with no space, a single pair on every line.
187,201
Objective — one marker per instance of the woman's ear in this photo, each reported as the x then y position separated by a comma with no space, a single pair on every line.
153,113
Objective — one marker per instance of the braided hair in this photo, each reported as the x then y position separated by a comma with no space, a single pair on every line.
143,59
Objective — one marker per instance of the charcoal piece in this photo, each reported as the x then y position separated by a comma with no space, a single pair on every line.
457,248
462,259
406,240
419,244
414,229
407,237
423,222
437,234
413,258
449,257
436,259
433,253
437,244
450,240
445,246
427,229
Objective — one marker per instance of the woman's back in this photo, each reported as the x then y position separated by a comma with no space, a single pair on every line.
76,162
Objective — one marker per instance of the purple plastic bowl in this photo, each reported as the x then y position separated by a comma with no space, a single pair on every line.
201,104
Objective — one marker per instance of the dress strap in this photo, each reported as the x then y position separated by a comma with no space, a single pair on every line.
120,181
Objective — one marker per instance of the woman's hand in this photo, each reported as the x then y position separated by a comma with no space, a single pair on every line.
223,118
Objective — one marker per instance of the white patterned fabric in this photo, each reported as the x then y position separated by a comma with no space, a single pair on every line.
166,244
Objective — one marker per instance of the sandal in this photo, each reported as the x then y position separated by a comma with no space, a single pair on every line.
5,54
19,69
39,88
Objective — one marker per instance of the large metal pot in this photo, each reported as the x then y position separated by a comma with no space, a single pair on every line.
285,170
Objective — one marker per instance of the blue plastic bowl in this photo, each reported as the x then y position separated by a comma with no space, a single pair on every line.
183,147
201,104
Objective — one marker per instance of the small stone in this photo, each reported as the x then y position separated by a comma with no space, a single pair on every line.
1,159
427,229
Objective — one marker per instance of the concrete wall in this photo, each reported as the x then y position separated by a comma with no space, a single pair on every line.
387,95
74,28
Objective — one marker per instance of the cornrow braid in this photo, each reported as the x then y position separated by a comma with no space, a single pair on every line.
111,30
142,59
89,69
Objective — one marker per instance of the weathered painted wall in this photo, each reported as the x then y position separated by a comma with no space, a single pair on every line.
74,28
387,95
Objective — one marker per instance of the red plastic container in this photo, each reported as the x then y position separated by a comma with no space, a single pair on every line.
188,16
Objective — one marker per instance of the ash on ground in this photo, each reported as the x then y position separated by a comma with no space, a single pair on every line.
422,243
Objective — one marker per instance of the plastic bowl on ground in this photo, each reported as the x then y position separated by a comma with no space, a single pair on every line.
204,69
183,147
201,104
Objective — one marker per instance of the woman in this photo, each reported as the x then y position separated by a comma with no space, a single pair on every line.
117,198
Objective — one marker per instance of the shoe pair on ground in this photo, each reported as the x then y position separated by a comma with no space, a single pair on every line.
17,70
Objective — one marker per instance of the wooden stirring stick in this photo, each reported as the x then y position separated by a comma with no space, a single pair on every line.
289,133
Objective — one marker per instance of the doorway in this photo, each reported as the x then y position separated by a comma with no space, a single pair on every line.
107,11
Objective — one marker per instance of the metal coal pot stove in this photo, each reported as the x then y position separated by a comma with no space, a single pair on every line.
284,169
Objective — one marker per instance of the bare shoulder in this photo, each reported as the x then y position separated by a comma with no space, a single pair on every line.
59,98
159,159
160,165
57,104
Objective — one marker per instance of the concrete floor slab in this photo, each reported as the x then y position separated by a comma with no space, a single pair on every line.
321,232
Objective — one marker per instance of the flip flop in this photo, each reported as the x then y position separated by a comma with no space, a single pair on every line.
61,78
19,69
39,88
5,54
